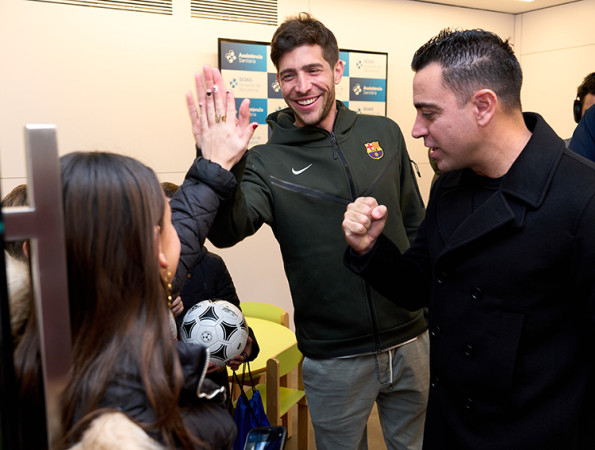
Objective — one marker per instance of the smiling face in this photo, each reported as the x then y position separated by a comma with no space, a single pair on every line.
449,129
308,86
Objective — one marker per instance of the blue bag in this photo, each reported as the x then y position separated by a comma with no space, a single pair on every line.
249,413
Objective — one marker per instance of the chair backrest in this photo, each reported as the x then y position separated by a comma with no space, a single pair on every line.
265,311
288,359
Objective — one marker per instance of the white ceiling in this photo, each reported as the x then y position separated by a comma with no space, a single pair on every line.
504,6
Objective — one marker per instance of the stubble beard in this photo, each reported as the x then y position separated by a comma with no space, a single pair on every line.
315,120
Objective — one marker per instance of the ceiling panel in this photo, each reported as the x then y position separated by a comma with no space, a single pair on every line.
504,6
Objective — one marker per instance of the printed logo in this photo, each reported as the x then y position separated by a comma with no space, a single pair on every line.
297,172
231,56
367,89
243,56
274,89
275,86
233,83
374,150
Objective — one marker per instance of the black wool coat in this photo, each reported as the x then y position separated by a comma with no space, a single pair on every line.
510,286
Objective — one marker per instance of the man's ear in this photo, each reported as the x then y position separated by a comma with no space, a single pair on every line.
338,71
160,254
485,102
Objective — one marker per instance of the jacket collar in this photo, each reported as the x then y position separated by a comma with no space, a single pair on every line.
530,175
525,185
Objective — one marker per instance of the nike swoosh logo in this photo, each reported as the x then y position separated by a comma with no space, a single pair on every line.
297,172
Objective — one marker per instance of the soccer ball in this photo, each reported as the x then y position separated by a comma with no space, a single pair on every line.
218,325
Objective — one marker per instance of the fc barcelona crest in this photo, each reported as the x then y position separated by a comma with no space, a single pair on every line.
374,150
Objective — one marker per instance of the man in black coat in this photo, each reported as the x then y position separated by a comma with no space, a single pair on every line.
505,258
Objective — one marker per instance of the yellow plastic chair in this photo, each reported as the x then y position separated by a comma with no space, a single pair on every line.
279,400
276,314
272,313
265,311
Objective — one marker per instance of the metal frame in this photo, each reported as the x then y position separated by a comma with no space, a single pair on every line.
43,225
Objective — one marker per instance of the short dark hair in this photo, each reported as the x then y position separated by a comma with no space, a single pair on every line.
169,189
586,87
16,197
303,29
472,60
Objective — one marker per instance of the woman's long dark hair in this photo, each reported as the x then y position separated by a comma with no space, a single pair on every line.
112,207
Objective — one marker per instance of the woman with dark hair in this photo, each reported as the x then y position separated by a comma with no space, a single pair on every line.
125,264
122,252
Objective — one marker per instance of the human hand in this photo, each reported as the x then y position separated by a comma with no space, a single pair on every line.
177,307
237,361
222,137
363,222
213,367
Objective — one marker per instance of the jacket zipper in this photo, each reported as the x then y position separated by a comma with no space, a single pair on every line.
337,152
371,309
308,191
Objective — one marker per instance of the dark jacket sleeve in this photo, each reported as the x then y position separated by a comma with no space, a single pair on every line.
194,207
248,207
403,279
203,402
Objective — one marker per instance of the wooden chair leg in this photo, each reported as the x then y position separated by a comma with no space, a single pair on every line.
287,419
303,424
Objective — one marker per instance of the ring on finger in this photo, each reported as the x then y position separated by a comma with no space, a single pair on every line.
217,118
223,118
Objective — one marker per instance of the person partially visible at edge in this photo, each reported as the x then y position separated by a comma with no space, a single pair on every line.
583,138
359,347
23,324
504,259
585,98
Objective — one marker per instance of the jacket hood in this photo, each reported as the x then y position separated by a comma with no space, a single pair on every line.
285,132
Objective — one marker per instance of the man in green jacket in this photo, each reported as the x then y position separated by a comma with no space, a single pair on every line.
359,347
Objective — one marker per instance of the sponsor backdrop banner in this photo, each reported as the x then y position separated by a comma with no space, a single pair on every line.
247,68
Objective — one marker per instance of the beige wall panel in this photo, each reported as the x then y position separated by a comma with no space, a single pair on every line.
560,27
557,51
549,85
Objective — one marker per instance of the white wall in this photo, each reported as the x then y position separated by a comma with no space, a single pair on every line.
557,52
115,80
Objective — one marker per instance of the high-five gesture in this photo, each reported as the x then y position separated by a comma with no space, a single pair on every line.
363,222
222,136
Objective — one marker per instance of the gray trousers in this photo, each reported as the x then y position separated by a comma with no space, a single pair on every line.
341,393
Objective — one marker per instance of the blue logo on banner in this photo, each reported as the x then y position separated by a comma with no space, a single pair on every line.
344,56
367,89
258,109
274,90
243,56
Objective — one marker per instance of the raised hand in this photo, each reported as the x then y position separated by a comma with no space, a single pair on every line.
363,222
220,133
